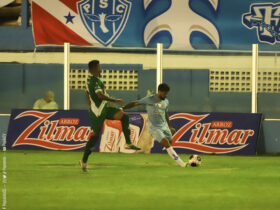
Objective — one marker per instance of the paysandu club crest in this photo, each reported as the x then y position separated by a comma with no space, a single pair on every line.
105,20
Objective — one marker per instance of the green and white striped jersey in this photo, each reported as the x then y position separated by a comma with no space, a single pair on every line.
95,85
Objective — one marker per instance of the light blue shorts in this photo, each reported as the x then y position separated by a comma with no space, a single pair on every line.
160,133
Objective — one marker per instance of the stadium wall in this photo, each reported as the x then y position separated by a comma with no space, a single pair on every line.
22,84
45,69
187,74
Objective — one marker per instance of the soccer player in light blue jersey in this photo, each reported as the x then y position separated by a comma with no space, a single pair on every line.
159,125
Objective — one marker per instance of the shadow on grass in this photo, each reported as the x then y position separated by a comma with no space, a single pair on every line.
71,165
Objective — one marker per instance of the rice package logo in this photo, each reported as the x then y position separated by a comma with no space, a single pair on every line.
264,17
209,137
52,134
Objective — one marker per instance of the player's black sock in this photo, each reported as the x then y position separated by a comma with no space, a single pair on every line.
125,128
90,144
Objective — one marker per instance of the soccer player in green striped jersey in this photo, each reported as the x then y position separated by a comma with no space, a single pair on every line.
99,111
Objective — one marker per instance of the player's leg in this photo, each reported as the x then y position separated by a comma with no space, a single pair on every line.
171,152
164,137
95,128
88,149
118,114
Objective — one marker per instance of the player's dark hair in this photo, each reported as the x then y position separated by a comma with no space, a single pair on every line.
92,65
163,87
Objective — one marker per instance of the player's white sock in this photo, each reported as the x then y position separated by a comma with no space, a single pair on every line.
175,157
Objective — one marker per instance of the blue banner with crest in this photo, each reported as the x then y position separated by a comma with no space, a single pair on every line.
178,24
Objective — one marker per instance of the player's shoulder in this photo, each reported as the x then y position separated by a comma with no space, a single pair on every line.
94,80
151,98
166,102
145,100
90,79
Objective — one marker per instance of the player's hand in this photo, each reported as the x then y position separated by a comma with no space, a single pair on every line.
119,101
172,130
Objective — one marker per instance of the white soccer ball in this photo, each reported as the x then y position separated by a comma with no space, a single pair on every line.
194,160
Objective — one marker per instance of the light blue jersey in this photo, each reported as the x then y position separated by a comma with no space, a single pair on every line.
156,109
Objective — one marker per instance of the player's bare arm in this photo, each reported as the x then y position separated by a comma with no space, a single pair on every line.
107,98
168,122
131,105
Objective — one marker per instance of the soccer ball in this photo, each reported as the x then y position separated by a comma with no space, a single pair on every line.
194,160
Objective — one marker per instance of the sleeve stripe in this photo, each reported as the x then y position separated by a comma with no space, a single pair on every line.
98,90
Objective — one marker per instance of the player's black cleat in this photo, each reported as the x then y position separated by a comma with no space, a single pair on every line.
132,146
83,166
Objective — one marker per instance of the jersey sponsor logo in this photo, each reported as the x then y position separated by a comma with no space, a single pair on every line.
104,19
159,105
159,108
264,17
207,137
51,135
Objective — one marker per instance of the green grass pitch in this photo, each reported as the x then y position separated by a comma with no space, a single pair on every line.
53,180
